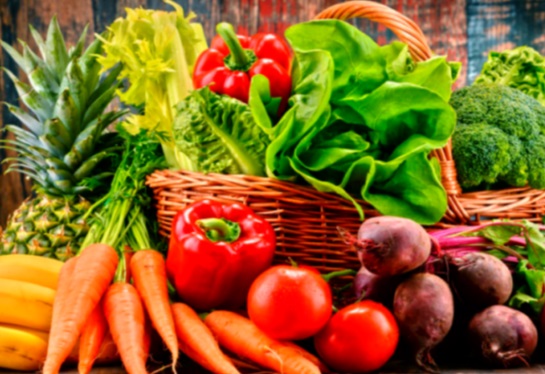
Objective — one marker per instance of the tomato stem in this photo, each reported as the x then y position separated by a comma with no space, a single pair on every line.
293,263
339,273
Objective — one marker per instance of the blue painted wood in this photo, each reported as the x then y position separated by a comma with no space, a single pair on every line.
104,13
499,25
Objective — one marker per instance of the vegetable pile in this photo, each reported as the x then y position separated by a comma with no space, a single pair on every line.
338,113
363,120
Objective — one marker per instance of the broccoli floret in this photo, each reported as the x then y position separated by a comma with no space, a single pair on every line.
517,174
535,150
511,110
479,160
500,137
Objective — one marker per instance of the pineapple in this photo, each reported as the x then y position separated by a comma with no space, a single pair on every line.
65,146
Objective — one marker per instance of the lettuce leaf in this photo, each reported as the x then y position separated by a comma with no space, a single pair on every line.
522,68
363,120
218,134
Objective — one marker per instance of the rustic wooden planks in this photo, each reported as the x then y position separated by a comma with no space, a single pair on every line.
464,30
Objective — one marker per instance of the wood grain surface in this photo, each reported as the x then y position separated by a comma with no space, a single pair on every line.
464,30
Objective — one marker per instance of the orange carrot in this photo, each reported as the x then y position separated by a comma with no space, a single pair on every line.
93,272
107,354
150,279
240,336
91,339
126,317
309,356
198,343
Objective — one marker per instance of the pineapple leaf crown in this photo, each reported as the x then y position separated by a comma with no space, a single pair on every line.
66,136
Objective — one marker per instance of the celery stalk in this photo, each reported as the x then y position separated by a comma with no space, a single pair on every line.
157,51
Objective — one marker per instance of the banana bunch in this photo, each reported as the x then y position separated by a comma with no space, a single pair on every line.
27,291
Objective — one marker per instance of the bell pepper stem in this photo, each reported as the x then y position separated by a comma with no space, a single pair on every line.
227,33
239,58
219,229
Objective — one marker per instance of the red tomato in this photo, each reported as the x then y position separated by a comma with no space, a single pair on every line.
358,338
290,303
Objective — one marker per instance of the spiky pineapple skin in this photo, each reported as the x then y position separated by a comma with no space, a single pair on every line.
64,144
46,226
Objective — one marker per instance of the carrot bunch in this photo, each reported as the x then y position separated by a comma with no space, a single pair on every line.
88,304
95,297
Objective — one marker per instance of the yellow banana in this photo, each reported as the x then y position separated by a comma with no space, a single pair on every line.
22,348
34,269
26,304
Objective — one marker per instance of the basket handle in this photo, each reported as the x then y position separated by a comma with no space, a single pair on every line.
409,33
403,27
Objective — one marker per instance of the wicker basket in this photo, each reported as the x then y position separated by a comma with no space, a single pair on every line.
306,220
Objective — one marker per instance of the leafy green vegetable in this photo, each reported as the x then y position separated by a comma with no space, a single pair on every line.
359,66
157,51
363,120
313,78
532,291
535,245
263,105
120,216
430,74
499,233
522,68
218,134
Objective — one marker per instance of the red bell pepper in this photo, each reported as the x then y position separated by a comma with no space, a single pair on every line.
216,251
232,60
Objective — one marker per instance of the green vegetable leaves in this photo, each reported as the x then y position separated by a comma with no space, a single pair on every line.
522,68
531,291
358,65
313,77
218,134
157,51
363,120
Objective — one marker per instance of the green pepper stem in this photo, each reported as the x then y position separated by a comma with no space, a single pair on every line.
239,58
327,277
219,229
227,33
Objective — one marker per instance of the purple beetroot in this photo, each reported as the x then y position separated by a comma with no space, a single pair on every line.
371,286
503,336
390,246
481,280
424,310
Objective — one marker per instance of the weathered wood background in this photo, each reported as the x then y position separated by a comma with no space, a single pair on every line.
465,30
